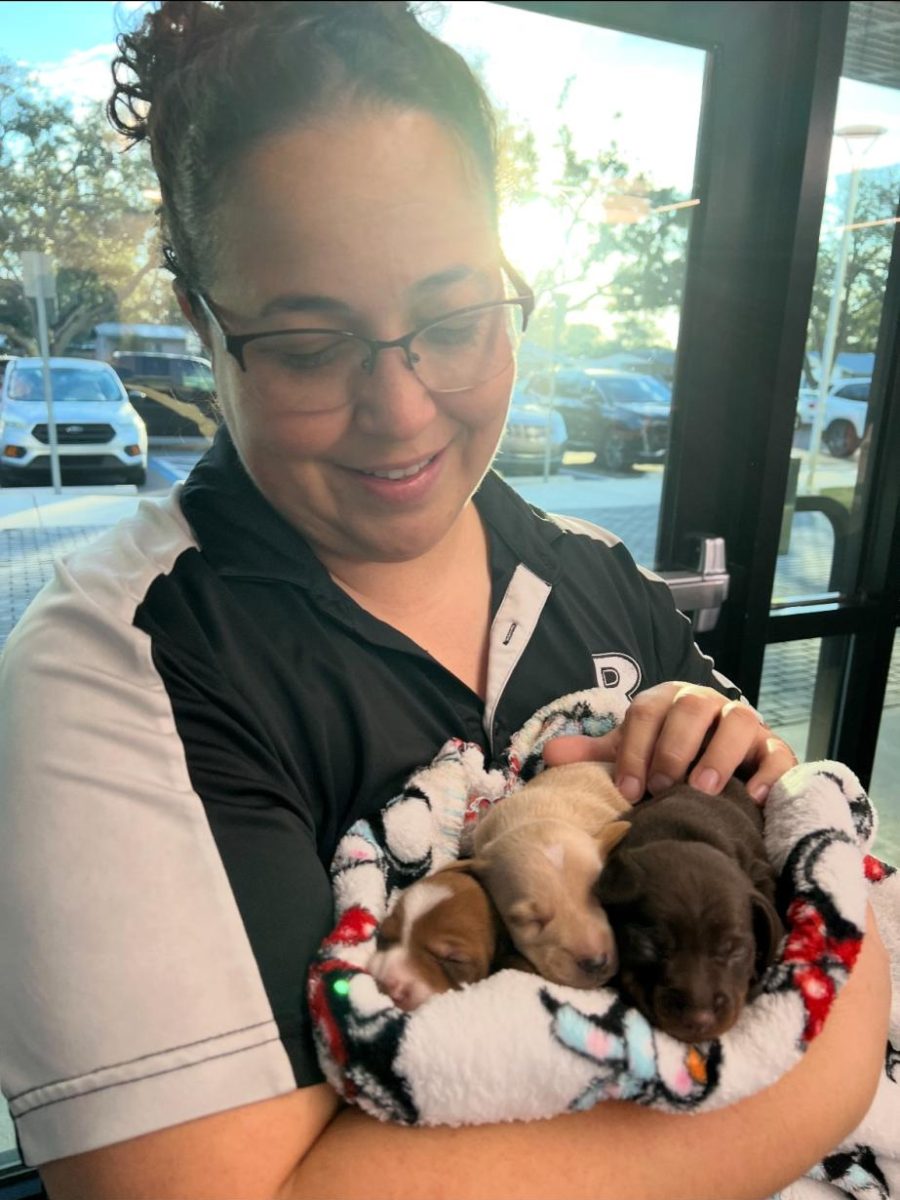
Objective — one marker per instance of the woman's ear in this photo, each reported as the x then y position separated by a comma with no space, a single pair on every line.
192,313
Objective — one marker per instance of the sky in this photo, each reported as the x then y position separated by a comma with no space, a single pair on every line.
527,57
69,45
645,94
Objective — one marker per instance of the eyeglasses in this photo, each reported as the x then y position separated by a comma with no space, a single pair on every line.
311,369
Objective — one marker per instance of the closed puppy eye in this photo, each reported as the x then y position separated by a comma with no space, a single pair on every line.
643,947
456,957
458,967
525,916
730,950
384,941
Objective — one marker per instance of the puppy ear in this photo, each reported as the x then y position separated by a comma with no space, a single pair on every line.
610,835
621,879
468,866
768,931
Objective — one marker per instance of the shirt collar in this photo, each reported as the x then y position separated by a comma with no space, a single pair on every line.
242,535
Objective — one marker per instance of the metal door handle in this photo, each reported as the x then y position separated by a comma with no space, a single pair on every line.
702,592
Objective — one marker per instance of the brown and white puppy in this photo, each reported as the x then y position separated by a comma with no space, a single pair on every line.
689,893
443,932
539,852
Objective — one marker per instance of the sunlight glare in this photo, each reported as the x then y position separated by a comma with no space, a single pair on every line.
533,236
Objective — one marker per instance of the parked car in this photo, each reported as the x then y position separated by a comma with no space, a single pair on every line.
845,417
5,360
807,403
621,416
174,393
529,426
99,434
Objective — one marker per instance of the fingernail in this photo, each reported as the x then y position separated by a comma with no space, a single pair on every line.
630,787
760,793
659,783
707,780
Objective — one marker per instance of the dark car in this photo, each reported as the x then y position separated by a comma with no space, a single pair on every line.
174,393
621,416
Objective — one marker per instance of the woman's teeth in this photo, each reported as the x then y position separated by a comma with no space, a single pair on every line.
403,473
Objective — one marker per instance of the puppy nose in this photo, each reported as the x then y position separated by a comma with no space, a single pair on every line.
593,966
700,1021
400,991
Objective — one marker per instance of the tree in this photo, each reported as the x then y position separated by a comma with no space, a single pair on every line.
70,190
625,243
868,259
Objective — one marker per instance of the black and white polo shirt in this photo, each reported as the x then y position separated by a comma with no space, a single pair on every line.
192,715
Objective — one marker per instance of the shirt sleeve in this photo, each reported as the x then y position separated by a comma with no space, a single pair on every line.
157,924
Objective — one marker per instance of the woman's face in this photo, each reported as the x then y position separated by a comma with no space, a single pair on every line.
373,222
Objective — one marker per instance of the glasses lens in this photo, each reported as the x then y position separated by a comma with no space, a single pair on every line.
467,348
303,369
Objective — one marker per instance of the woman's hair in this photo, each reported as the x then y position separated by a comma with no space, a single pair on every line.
201,82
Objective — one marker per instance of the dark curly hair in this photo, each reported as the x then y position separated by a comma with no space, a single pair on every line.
202,81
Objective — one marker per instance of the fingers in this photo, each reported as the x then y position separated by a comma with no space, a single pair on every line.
580,748
673,725
734,741
774,757
662,734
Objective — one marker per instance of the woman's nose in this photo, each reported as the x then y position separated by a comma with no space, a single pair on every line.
391,401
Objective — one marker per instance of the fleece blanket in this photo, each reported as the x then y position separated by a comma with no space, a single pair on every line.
515,1047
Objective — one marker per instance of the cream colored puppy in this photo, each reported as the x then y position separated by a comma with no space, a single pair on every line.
539,852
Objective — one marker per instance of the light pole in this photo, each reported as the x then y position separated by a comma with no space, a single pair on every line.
863,137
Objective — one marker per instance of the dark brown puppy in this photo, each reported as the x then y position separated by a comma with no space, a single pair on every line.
689,894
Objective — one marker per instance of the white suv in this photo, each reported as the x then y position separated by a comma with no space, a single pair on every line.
845,417
98,431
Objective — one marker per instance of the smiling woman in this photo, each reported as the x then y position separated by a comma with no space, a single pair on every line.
238,673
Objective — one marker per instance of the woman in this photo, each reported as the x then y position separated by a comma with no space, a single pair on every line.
239,673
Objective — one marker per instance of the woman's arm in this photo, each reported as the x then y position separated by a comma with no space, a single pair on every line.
621,1151
290,1148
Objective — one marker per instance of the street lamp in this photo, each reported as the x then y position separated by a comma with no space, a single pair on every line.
858,139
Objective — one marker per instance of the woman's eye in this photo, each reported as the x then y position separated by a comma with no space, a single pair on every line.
457,332
301,354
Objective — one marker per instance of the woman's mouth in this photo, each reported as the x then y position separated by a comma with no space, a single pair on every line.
402,484
400,472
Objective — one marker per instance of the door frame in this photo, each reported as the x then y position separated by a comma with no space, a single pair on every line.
770,97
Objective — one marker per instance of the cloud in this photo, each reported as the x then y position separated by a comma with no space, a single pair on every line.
82,76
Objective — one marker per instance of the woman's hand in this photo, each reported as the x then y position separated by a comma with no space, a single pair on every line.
664,731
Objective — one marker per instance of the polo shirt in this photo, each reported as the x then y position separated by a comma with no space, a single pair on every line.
193,714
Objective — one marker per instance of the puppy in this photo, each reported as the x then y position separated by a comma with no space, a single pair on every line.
539,853
443,932
690,895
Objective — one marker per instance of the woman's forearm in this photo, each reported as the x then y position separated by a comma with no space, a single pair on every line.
621,1151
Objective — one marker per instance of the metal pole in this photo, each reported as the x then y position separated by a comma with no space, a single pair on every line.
44,341
560,303
826,364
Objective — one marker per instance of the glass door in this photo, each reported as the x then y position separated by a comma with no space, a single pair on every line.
598,132
835,497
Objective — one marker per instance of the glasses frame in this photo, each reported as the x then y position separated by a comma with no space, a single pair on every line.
236,342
